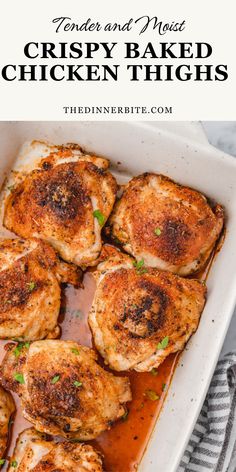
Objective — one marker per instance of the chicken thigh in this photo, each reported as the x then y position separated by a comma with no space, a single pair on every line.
65,200
63,390
37,453
30,273
169,226
140,314
7,408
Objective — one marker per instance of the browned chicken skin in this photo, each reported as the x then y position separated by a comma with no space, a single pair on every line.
140,314
169,226
7,408
63,390
66,200
37,453
30,276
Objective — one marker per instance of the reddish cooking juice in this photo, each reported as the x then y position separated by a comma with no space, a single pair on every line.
124,444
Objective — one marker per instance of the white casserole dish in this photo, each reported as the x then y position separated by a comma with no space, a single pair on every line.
183,154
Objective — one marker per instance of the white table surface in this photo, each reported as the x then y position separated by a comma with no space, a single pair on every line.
222,134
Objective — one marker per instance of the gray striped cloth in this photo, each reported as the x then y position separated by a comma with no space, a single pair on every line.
212,446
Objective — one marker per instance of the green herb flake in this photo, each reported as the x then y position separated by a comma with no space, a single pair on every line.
2,461
31,286
77,383
19,378
143,271
157,231
163,387
125,415
164,343
139,265
19,348
100,217
55,379
154,372
75,351
10,187
14,464
17,351
152,395
77,314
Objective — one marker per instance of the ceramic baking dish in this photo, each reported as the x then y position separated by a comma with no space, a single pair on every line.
181,152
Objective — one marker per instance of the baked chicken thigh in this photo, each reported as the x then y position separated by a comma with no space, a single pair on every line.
63,390
35,452
140,314
7,408
30,276
169,226
65,200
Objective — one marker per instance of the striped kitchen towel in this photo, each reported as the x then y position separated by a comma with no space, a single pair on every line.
212,446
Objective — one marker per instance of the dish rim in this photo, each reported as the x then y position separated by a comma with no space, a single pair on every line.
152,456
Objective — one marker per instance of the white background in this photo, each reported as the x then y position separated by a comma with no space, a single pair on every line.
207,21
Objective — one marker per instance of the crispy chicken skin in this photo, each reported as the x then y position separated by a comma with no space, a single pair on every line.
57,200
63,390
170,226
136,308
30,276
7,408
37,453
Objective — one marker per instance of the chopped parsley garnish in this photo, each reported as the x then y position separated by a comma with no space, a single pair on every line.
142,271
10,187
141,406
77,313
163,387
19,378
139,265
2,461
14,464
125,415
77,383
154,372
31,286
100,217
157,231
75,351
164,343
19,347
17,350
152,395
55,379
